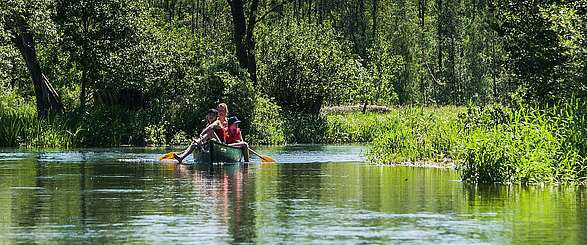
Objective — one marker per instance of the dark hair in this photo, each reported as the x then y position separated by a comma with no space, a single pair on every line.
213,111
233,119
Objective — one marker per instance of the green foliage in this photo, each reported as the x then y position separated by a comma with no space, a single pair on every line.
267,125
544,41
416,134
527,144
354,127
307,128
491,144
155,135
19,126
303,66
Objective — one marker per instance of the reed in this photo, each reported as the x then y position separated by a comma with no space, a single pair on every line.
20,127
418,134
524,144
527,144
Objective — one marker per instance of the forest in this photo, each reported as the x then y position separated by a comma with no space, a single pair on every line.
79,73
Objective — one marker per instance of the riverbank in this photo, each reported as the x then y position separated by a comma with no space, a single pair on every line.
487,144
491,144
268,124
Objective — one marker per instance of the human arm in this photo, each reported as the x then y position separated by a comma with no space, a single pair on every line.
240,136
216,124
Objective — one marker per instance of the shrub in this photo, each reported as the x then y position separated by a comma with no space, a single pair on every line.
267,123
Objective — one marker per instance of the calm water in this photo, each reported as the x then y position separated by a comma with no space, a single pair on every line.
316,194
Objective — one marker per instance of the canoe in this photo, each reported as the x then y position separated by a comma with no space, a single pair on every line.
215,152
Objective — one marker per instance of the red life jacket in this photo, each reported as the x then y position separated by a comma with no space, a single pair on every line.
233,137
221,132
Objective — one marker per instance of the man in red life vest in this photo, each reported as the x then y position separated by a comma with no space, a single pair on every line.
233,136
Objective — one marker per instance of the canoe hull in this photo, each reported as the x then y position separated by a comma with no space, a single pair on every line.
218,153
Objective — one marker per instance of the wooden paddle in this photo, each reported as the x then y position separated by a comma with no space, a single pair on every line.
264,159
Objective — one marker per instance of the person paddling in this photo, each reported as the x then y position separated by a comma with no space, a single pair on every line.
213,128
234,137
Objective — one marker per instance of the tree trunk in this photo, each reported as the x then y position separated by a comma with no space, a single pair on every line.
172,14
193,23
422,15
47,98
239,31
250,39
377,82
82,96
203,15
166,10
244,41
439,30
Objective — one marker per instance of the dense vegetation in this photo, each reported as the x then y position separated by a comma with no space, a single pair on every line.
494,143
118,72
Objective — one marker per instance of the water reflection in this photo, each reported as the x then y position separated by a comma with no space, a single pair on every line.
532,213
97,198
230,190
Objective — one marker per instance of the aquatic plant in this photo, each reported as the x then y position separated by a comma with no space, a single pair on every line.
494,143
530,144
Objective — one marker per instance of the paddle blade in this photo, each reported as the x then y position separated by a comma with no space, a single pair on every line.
267,159
168,156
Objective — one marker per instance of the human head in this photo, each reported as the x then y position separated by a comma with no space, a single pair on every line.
212,115
222,110
233,122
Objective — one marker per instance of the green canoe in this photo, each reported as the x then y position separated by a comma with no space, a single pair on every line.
218,153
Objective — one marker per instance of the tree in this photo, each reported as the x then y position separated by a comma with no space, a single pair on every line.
23,17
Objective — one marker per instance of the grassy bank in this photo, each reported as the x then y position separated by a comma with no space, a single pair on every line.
114,126
491,144
20,127
417,134
526,144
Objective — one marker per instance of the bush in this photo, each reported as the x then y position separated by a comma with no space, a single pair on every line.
306,128
267,124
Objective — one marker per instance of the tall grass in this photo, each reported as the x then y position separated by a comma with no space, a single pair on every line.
19,126
414,134
526,144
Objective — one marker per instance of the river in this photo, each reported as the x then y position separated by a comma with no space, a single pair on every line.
315,194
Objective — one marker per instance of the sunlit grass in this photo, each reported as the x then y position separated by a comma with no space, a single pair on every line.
490,144
415,134
20,127
527,144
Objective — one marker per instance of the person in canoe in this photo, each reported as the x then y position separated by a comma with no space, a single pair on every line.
214,130
222,112
234,137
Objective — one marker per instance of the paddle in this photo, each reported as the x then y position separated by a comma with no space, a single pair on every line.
264,159
168,156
